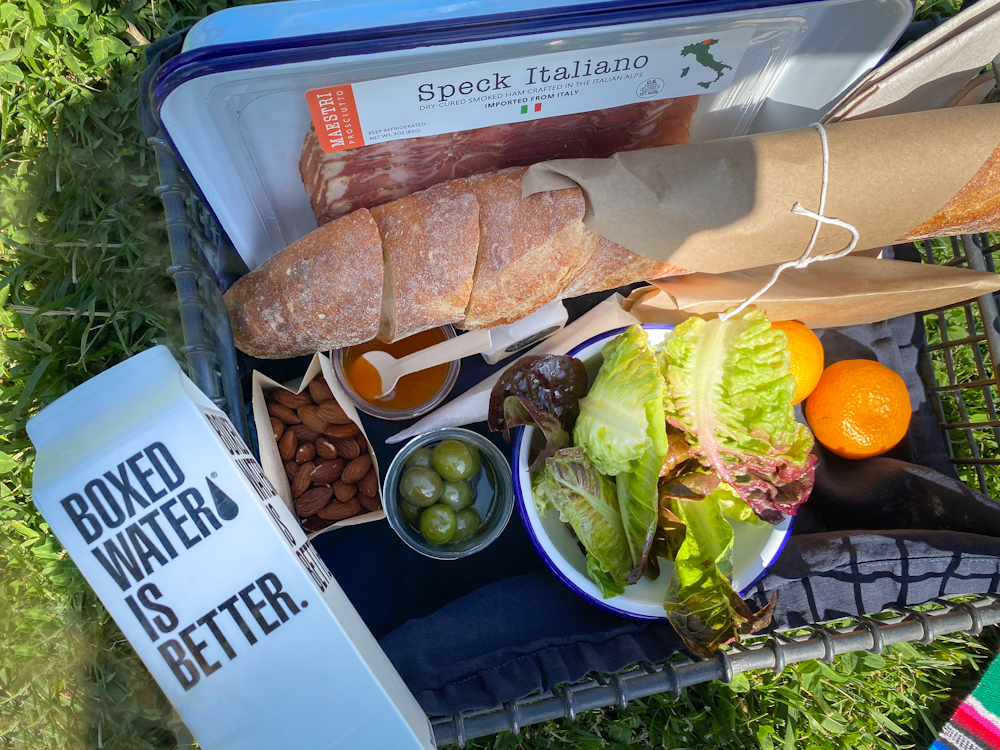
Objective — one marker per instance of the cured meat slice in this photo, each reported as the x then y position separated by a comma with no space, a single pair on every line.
364,177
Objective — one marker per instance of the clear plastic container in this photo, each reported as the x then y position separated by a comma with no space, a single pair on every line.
493,495
397,414
238,113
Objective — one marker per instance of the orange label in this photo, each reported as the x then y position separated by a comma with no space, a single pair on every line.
335,116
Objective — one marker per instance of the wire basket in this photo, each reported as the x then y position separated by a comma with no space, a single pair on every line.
959,369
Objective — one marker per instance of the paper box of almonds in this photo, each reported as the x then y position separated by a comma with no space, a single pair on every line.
314,450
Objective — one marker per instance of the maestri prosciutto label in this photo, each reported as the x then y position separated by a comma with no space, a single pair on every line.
559,83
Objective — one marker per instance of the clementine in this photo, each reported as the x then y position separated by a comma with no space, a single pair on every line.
859,408
806,357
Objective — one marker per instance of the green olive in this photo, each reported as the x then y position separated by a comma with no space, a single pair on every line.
419,457
420,486
438,524
456,495
453,460
467,523
476,460
410,512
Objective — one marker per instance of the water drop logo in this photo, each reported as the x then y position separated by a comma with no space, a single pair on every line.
225,506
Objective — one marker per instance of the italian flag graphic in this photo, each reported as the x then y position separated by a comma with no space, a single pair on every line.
524,108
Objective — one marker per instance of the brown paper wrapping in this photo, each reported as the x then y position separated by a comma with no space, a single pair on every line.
843,292
270,460
725,205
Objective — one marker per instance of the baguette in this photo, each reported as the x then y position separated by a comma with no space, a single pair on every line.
609,266
469,251
324,290
431,242
528,247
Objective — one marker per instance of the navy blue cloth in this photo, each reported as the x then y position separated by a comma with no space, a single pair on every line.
474,633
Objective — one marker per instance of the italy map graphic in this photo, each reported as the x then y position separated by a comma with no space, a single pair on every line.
702,52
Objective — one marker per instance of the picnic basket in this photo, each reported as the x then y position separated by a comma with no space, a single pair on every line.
203,261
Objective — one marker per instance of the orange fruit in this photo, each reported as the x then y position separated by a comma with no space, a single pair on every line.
859,408
806,357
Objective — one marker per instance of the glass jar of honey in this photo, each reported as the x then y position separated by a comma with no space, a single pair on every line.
414,395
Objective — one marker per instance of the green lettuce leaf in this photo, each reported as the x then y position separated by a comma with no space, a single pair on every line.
700,601
612,426
733,507
728,387
622,431
586,501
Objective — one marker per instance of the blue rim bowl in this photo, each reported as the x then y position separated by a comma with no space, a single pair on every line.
755,547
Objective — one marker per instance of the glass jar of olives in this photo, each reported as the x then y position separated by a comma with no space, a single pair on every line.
449,493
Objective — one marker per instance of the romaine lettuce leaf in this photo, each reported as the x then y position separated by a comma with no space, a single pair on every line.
733,507
729,388
700,601
612,427
587,502
622,431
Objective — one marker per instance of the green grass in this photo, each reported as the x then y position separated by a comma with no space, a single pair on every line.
83,252
964,364
860,701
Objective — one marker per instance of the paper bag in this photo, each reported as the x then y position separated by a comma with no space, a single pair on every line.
848,291
270,459
932,72
725,205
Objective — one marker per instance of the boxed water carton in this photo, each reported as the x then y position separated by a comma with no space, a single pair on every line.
168,515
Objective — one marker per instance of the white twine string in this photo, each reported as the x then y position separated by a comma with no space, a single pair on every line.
806,259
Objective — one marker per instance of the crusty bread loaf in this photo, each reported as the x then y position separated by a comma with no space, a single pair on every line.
974,208
528,247
609,266
324,290
469,251
430,241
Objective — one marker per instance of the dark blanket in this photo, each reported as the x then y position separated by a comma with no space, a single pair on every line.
471,634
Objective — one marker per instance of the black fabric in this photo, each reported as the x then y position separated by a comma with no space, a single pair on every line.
471,634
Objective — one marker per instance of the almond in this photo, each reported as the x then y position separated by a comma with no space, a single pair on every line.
319,390
288,445
342,430
303,433
371,504
315,523
303,478
356,469
311,419
325,449
333,412
368,484
292,400
278,427
305,452
339,511
291,469
362,443
283,413
344,491
346,448
313,501
328,471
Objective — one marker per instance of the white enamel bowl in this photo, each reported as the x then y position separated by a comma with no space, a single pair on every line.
755,545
